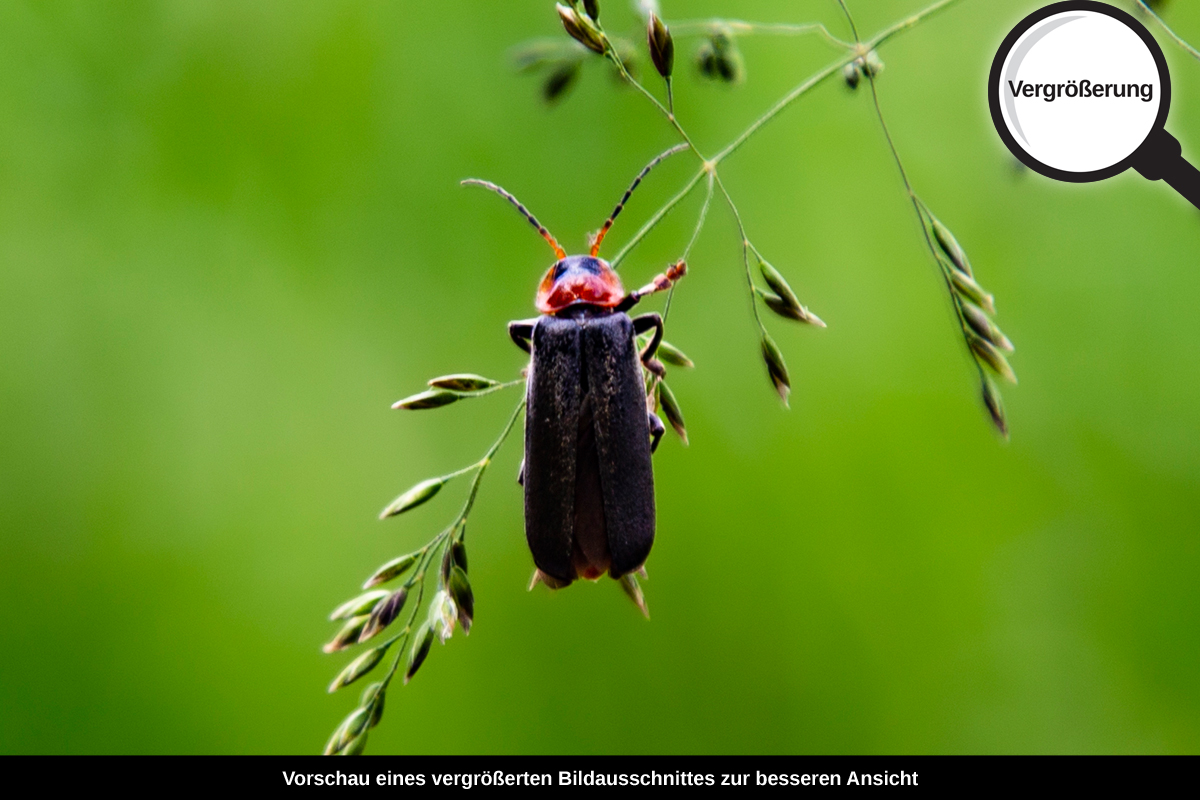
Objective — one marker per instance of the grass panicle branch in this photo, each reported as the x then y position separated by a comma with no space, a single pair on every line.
859,56
972,305
708,27
370,614
442,561
687,251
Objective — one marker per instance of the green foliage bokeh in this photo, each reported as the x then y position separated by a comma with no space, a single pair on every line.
231,234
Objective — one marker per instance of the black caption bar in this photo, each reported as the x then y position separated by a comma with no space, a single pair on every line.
768,775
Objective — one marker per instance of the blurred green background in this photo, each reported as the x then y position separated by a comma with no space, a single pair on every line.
231,234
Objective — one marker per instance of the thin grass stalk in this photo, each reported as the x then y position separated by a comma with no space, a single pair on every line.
1179,40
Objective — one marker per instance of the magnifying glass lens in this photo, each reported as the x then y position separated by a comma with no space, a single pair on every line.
1080,91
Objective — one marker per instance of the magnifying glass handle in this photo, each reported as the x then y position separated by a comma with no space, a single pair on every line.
1161,158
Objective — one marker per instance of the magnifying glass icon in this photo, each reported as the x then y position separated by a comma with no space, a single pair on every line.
1080,92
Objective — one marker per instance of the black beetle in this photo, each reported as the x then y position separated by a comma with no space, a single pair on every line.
589,433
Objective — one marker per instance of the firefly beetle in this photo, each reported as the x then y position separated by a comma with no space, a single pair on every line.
589,430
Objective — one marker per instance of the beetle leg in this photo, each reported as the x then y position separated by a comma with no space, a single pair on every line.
644,323
661,283
521,332
657,429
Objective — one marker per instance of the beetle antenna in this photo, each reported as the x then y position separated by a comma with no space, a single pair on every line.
645,171
532,219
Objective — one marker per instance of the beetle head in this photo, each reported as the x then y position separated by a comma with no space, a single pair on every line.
579,280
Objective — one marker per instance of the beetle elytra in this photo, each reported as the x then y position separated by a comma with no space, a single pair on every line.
589,429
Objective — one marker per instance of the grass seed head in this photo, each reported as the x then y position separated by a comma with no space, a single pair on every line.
433,398
359,605
356,746
851,75
358,667
459,554
391,570
872,65
995,406
559,81
372,699
662,46
463,382
966,287
989,355
629,583
420,649
348,635
350,727
581,29
784,302
464,599
443,614
384,614
720,60
983,325
951,247
782,307
376,711
671,410
776,368
369,694
777,283
414,497
673,355
447,563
